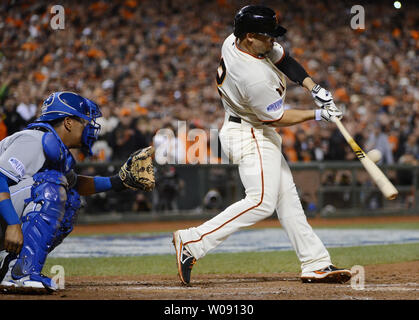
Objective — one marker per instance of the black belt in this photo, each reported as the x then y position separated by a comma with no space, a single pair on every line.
239,120
234,119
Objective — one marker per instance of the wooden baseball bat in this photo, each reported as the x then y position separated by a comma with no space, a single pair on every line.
385,186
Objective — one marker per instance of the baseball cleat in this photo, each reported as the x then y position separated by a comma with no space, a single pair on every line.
184,259
33,283
330,274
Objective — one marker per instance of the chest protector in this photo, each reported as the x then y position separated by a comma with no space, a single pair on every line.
58,156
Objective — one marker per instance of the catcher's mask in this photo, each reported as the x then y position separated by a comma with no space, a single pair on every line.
257,19
66,104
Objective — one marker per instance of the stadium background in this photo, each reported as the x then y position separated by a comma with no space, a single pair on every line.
151,65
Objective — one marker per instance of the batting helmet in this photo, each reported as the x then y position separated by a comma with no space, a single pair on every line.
68,104
257,19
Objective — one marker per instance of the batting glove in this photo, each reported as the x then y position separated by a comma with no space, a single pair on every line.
321,96
328,113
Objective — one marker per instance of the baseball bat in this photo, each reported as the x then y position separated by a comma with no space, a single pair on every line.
385,186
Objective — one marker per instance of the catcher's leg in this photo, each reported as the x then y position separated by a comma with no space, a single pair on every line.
18,193
72,205
39,227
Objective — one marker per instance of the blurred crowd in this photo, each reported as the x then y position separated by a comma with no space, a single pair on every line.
151,65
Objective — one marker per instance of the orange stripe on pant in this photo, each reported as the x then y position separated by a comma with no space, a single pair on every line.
243,212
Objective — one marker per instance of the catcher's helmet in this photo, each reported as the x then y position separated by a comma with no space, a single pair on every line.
257,19
68,104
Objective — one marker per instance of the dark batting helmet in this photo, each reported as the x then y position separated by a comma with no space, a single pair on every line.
257,19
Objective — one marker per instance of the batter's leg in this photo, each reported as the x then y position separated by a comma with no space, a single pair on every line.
307,245
261,183
261,191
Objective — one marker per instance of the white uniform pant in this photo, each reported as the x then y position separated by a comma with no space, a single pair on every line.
269,186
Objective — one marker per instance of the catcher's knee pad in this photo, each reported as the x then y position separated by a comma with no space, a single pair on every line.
72,205
39,227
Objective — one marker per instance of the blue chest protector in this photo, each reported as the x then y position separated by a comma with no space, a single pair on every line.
56,152
54,210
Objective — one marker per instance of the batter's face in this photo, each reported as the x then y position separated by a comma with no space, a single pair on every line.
260,44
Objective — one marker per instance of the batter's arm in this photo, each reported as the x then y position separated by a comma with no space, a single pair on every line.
309,84
293,116
292,69
295,71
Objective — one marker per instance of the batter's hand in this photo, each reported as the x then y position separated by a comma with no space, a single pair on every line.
321,96
330,112
13,240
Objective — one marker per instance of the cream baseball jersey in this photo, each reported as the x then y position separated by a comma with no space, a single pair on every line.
251,87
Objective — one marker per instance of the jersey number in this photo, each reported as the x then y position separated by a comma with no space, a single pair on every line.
280,90
221,72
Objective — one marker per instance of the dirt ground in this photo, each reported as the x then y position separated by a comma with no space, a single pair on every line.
398,281
382,282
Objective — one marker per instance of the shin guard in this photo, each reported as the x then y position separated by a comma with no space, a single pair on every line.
39,227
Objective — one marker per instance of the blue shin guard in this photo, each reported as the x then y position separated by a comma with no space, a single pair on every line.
40,227
72,205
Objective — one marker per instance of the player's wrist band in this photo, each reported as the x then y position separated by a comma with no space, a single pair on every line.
318,114
102,184
8,212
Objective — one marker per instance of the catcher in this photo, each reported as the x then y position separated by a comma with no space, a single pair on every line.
40,191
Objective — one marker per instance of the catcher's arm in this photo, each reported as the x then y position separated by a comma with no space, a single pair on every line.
85,185
136,173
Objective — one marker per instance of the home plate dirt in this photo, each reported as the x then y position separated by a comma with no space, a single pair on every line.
398,281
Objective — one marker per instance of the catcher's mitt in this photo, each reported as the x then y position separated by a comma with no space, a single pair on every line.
138,172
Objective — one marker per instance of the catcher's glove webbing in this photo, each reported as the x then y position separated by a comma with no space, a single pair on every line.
138,172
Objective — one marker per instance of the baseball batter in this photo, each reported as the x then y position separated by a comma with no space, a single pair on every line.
251,82
40,192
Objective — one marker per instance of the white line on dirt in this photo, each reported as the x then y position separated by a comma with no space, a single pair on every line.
386,287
